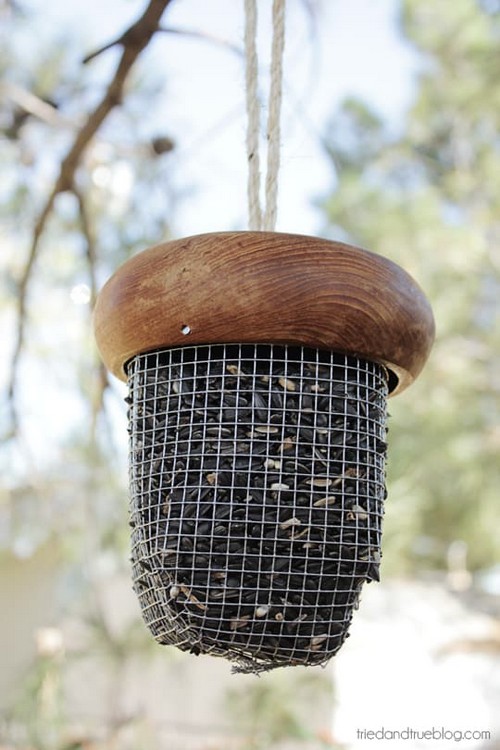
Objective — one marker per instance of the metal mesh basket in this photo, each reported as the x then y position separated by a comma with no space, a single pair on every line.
257,478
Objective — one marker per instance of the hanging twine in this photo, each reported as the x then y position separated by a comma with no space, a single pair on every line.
257,218
253,115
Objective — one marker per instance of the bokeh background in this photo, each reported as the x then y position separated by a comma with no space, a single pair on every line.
390,141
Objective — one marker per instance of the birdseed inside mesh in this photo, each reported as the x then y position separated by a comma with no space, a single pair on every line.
257,478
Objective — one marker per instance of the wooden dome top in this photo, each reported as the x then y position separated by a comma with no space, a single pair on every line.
265,287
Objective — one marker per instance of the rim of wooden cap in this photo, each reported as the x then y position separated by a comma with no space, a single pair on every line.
265,287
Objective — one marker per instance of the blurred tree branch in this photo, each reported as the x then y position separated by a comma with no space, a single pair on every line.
31,104
204,38
169,30
133,41
101,379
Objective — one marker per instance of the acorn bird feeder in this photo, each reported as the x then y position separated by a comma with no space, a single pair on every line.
259,366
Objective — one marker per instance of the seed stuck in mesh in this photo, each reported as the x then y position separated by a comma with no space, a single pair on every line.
257,488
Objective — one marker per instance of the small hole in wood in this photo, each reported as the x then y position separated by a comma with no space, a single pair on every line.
186,330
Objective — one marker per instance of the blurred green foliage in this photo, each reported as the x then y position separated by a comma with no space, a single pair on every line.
428,197
274,709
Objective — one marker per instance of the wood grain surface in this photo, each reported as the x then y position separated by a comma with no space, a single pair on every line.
246,287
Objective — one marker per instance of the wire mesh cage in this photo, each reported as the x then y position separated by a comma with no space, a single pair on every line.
257,488
257,469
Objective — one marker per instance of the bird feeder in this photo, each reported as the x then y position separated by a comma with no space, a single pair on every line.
259,366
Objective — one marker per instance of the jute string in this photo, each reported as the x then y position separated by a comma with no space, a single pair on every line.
259,219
